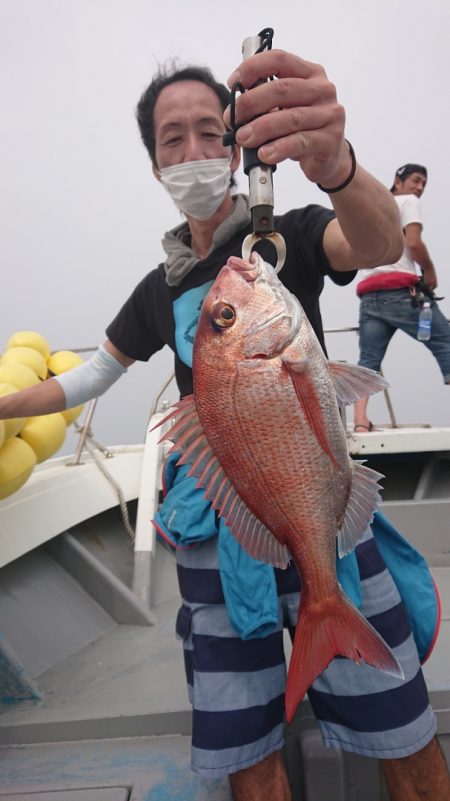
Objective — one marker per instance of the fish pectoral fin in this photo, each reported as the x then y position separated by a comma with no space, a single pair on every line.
351,382
188,436
306,393
363,500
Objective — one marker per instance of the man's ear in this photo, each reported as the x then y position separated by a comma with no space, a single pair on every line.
156,172
235,158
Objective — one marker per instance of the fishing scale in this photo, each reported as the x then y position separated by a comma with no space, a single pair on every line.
260,175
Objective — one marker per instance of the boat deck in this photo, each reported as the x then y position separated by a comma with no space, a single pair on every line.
112,722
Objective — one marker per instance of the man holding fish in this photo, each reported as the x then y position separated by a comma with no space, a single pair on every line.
234,643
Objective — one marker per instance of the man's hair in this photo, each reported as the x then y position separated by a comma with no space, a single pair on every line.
166,75
408,169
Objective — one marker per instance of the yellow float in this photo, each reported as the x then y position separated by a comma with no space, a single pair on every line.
17,461
26,360
29,339
63,360
25,355
44,434
59,362
18,375
70,415
13,425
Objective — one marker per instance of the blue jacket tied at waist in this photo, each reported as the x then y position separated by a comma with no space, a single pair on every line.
186,518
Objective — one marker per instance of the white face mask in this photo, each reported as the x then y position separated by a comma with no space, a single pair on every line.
198,187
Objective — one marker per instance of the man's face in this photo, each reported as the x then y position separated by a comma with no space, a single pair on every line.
413,184
188,121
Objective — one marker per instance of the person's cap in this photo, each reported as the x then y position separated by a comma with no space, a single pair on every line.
408,169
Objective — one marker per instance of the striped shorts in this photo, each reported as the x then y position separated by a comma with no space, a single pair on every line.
236,687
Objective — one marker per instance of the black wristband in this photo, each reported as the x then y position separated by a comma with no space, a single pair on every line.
349,177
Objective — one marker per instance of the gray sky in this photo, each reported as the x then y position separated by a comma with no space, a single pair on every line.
82,216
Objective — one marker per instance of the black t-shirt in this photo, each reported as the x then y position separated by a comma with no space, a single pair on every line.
156,314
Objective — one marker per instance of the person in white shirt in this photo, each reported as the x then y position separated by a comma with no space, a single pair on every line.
392,295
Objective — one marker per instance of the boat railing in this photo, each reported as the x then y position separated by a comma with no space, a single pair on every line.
390,409
85,431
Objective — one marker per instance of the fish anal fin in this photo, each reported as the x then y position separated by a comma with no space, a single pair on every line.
312,408
337,629
364,498
351,382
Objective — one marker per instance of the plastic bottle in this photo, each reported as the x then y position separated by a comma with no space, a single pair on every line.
424,323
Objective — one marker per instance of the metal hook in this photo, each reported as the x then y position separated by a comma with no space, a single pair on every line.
277,241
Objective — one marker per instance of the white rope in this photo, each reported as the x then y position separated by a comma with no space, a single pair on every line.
122,502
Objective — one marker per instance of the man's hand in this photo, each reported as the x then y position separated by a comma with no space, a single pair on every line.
418,251
298,117
295,117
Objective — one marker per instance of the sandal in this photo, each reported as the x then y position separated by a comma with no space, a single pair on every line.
368,428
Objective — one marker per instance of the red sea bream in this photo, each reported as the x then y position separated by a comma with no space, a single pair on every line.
263,434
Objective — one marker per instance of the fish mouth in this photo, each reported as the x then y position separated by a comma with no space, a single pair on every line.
285,314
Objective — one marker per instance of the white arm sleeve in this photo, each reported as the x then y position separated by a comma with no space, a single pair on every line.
91,379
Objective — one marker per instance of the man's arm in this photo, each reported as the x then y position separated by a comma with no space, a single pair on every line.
42,398
125,361
84,382
418,251
298,117
367,231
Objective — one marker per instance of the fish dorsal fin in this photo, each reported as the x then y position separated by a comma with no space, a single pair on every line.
187,435
362,503
306,393
351,383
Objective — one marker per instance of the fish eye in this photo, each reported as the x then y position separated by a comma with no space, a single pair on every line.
223,315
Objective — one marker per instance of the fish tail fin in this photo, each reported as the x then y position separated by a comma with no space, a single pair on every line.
337,630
